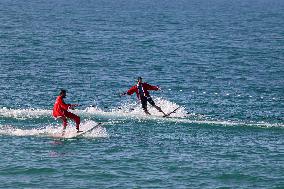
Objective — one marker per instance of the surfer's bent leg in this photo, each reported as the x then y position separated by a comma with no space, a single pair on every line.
151,101
75,118
64,121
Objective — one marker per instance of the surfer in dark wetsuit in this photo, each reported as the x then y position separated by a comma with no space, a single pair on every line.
141,90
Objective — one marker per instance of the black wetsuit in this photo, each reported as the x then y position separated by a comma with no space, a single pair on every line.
144,99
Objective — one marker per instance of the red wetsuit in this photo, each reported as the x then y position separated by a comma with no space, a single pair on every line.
144,91
60,110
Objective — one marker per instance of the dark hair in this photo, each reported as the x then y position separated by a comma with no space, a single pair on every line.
139,78
62,91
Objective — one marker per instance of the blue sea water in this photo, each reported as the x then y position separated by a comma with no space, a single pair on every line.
220,60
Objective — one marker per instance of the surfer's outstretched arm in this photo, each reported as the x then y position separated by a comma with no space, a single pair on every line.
132,90
151,87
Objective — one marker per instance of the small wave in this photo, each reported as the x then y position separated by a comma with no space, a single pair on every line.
132,111
124,109
24,113
190,119
50,131
230,123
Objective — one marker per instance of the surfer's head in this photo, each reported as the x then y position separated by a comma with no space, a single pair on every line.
62,93
139,79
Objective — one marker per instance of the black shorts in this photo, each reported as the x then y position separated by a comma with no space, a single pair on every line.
144,101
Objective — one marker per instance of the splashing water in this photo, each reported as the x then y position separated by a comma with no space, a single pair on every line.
49,131
24,113
135,109
123,111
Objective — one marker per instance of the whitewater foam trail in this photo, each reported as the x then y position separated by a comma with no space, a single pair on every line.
124,109
190,119
51,130
133,111
24,113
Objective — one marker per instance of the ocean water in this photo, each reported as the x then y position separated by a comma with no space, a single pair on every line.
220,60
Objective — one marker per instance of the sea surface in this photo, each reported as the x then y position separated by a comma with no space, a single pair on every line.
221,61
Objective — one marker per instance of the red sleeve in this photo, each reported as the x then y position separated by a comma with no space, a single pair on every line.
62,104
150,87
132,90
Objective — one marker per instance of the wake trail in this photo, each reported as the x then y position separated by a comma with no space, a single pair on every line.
133,111
50,131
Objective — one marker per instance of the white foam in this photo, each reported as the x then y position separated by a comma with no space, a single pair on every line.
51,130
24,113
229,123
191,119
13,131
134,110
99,131
124,111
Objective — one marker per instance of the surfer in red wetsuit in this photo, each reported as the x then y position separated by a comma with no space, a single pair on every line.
60,110
141,90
